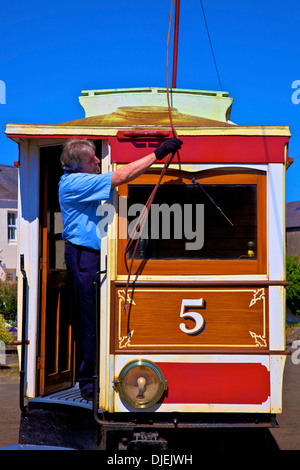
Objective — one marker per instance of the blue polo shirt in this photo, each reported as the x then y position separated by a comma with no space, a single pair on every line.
79,197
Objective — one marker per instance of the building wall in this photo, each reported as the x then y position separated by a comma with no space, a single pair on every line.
8,249
293,242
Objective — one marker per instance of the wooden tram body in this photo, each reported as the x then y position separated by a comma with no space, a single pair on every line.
206,312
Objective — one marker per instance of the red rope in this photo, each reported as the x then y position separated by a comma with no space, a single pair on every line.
139,227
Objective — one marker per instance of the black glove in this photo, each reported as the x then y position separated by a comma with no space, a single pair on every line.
168,146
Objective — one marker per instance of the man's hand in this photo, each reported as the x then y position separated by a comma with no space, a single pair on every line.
132,170
169,146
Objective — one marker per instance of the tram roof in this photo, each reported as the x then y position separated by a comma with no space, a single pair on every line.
147,116
194,113
109,125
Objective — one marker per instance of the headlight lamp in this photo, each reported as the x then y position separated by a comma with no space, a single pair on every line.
141,383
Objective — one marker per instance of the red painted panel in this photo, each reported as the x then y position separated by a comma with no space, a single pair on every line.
219,383
207,149
195,149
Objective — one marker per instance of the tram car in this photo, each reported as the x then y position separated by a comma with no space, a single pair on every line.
201,343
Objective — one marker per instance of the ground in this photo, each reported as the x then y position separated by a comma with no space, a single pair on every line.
9,401
286,437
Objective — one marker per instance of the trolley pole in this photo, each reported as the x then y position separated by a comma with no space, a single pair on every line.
175,52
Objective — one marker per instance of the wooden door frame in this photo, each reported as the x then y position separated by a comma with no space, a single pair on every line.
43,276
59,379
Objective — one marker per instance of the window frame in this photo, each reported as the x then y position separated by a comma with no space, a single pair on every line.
198,267
15,226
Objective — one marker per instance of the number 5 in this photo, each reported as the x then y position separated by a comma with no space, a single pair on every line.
197,317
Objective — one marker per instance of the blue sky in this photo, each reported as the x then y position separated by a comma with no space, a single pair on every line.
50,51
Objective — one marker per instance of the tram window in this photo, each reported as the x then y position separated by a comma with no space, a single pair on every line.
176,216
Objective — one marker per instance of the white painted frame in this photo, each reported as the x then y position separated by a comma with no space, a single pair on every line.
275,215
28,245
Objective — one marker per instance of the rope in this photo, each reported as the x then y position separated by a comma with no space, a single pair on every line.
167,74
139,227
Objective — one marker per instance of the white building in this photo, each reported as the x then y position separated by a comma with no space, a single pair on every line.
8,221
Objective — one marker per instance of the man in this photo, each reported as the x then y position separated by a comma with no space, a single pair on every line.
81,189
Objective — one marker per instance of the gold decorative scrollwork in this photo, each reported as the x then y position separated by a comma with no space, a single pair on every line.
258,294
121,295
260,340
125,340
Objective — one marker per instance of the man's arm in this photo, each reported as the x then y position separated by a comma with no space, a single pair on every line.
134,169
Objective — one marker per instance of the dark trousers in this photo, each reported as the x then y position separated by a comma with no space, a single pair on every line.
82,264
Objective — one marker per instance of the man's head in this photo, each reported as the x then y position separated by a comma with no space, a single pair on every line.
79,156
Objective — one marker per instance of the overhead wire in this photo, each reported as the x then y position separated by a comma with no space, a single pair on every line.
211,46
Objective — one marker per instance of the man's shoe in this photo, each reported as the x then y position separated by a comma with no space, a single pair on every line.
87,393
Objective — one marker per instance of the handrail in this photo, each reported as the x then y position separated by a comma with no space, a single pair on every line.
24,340
202,283
97,296
143,134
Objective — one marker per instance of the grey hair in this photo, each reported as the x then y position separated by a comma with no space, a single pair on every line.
73,151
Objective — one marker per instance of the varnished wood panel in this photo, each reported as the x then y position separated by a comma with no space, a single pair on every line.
204,266
163,318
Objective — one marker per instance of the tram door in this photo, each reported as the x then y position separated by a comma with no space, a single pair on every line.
58,330
57,344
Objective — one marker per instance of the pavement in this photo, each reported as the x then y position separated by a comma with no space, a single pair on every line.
9,402
285,437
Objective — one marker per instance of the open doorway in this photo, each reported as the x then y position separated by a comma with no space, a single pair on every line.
57,323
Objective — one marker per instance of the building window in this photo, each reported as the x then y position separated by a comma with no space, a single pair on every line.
10,276
12,226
